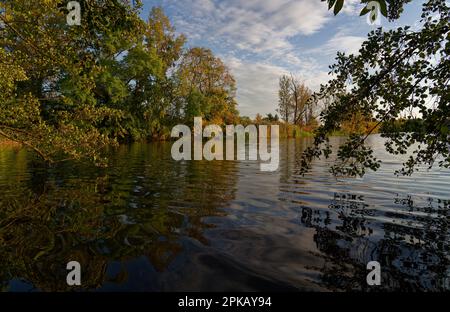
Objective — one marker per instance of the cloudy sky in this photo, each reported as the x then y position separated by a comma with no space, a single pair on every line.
260,40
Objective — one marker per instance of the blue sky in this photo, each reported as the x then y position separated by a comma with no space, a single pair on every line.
259,40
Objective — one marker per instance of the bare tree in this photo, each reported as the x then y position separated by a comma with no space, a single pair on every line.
301,94
285,99
295,101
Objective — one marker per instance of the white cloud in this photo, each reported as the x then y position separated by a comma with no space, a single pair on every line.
258,84
341,42
352,7
255,39
251,25
344,43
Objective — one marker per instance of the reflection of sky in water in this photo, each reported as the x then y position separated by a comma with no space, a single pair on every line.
149,223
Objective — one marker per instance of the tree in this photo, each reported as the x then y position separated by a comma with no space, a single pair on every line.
271,118
301,95
67,92
207,86
395,70
57,95
148,73
389,8
245,121
311,113
285,98
294,100
258,119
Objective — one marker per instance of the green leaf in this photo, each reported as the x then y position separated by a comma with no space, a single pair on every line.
331,4
383,7
338,6
364,11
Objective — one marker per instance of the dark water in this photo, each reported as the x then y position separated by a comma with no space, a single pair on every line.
149,223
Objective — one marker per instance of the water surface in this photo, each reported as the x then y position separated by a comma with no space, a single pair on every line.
148,223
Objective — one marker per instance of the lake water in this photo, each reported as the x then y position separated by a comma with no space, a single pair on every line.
148,223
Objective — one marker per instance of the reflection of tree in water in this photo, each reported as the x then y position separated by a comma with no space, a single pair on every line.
142,206
410,242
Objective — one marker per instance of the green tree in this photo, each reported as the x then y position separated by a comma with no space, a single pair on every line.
395,71
207,87
148,68
271,118
59,91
